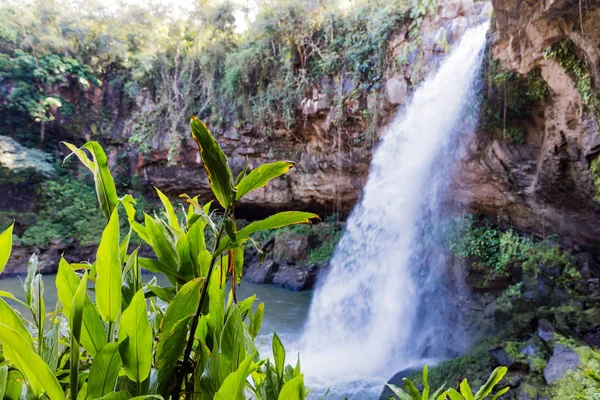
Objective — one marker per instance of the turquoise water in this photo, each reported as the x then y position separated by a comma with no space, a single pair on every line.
285,311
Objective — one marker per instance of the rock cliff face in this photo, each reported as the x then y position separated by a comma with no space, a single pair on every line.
543,185
331,163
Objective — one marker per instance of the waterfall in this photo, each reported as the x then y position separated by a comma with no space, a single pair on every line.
383,305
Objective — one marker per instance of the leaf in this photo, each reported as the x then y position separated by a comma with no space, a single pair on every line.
425,383
14,385
132,279
75,325
492,381
105,185
260,176
108,267
35,371
169,349
278,355
238,263
232,343
13,298
412,389
233,386
215,163
242,173
137,352
165,294
104,371
230,228
278,220
184,303
169,212
32,266
399,392
256,322
93,336
465,390
9,317
200,212
293,389
51,344
454,395
3,379
500,393
5,246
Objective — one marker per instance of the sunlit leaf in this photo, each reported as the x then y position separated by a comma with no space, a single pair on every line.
104,371
135,328
260,176
5,246
109,275
105,184
215,163
293,389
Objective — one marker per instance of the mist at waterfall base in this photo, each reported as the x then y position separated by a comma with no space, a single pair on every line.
383,306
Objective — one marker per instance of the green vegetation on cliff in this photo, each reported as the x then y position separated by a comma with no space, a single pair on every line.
58,61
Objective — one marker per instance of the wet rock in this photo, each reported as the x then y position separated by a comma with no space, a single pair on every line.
296,278
264,273
538,292
290,247
563,360
502,358
396,90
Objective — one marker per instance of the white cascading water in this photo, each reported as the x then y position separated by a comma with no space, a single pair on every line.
382,307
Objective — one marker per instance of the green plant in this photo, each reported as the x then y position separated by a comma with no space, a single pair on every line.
197,342
466,393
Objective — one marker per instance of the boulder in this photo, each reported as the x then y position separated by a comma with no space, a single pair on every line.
563,359
546,332
257,273
296,278
396,90
290,247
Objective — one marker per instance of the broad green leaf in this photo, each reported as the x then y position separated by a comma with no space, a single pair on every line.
278,220
38,306
500,393
135,327
156,266
199,213
412,389
215,163
169,349
51,343
35,371
260,176
438,393
165,294
14,385
233,386
232,343
93,336
454,395
399,392
184,303
5,246
132,279
293,389
10,296
169,212
493,380
278,355
238,263
425,383
3,379
75,325
128,201
216,306
104,371
256,322
105,185
121,395
159,240
109,275
245,305
9,317
465,390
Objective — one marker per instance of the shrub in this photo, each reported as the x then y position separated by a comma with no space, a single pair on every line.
198,342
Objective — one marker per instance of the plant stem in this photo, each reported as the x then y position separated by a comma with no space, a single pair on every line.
195,320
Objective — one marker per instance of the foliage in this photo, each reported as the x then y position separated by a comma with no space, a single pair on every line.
564,53
497,249
197,63
509,100
187,340
582,383
68,210
466,393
